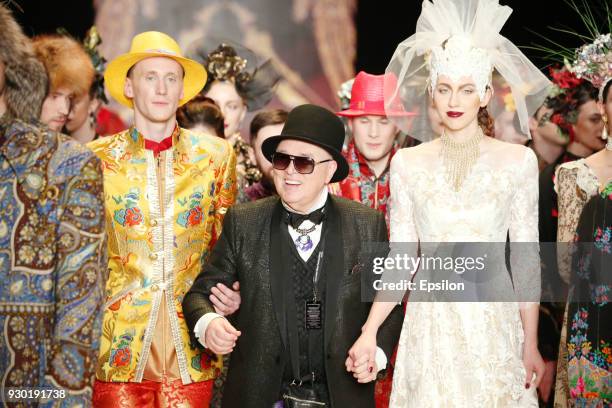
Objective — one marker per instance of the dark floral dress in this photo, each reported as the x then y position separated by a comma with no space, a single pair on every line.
589,334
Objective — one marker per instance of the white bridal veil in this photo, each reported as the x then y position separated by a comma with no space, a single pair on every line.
455,37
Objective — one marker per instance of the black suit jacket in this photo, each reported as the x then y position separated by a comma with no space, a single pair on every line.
244,253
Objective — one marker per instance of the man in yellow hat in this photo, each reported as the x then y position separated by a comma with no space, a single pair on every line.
166,191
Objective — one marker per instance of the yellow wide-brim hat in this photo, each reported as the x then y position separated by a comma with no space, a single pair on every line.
153,44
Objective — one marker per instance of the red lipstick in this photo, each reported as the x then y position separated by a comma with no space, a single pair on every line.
453,114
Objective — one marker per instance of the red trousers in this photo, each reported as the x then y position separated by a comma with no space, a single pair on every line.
151,394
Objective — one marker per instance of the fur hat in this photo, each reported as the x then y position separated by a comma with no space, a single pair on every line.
25,85
66,62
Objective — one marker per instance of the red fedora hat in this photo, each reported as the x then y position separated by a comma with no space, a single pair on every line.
368,97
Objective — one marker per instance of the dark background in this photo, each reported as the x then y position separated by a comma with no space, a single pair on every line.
381,24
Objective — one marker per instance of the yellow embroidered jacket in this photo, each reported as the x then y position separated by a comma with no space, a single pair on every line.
158,236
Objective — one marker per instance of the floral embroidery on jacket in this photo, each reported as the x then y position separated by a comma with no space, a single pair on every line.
121,355
131,215
602,239
172,213
193,216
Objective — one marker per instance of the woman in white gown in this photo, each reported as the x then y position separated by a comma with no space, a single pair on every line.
463,187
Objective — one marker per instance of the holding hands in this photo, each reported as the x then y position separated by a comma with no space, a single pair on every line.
361,358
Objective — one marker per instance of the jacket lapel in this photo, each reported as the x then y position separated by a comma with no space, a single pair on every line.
276,272
334,266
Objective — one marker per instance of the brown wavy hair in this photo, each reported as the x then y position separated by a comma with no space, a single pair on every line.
201,110
267,118
486,122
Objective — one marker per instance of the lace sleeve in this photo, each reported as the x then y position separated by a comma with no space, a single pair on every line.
570,205
524,207
402,226
403,235
524,247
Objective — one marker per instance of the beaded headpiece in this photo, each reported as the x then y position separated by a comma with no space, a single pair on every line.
254,83
457,58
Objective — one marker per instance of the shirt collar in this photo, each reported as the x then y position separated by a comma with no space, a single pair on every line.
156,147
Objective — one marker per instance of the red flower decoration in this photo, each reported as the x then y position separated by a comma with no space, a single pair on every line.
195,216
557,119
121,357
133,216
565,79
205,361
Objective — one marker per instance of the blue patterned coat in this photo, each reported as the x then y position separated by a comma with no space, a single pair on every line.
52,271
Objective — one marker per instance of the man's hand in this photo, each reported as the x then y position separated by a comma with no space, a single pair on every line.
225,300
220,336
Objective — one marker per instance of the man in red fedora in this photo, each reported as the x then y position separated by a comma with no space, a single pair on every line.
369,152
373,144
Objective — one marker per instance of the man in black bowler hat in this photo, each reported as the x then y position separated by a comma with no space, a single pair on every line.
299,259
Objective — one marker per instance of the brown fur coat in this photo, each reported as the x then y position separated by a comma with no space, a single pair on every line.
25,77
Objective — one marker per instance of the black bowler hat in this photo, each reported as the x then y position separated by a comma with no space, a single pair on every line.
316,125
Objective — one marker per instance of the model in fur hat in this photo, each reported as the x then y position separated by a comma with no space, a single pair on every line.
88,116
51,239
71,75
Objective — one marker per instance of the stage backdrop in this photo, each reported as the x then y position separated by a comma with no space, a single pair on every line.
311,42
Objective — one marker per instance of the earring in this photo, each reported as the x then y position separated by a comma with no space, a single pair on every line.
92,120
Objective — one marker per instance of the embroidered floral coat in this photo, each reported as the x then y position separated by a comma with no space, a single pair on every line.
157,239
52,266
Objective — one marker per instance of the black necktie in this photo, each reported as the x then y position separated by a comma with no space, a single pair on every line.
295,219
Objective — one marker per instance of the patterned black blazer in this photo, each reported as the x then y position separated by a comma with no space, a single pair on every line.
244,253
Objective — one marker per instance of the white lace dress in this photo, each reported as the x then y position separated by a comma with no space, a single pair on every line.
463,354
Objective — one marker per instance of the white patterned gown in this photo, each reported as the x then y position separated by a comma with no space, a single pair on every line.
463,354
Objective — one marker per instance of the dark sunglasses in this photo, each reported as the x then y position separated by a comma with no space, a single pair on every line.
301,164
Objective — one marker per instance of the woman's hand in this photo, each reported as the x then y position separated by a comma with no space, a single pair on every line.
361,360
533,362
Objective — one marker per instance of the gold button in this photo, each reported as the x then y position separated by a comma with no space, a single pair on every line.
154,223
153,256
154,287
